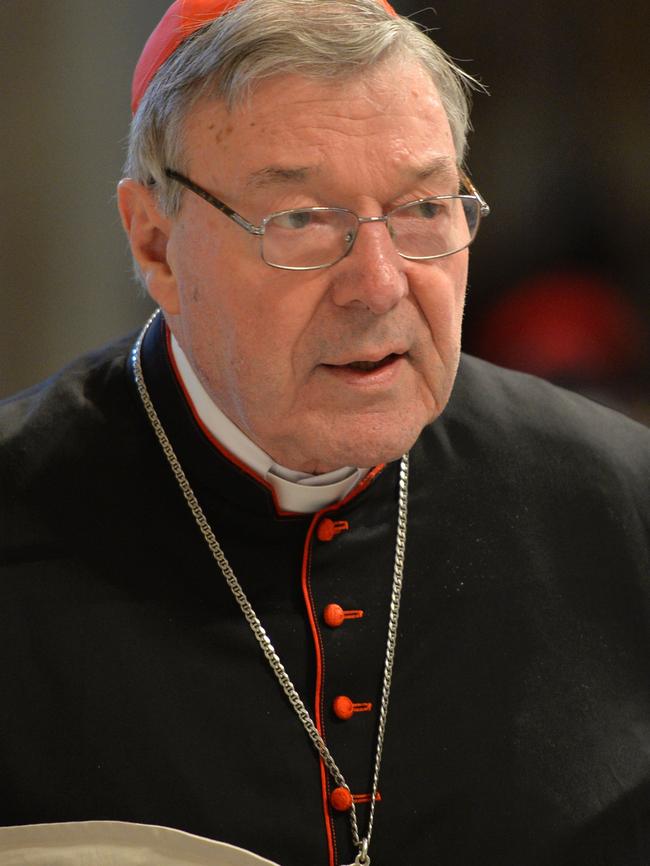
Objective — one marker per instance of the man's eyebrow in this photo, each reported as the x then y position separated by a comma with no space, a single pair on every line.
442,167
273,175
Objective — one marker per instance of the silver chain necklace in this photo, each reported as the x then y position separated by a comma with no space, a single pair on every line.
362,844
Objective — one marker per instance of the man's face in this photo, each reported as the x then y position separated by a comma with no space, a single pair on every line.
273,347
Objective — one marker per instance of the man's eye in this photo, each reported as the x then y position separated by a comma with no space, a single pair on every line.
427,209
297,219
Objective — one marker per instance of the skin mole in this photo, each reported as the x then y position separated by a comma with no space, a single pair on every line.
222,134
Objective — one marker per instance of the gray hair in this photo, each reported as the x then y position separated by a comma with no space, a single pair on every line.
257,39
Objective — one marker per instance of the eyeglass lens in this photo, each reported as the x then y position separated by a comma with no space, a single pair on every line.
317,237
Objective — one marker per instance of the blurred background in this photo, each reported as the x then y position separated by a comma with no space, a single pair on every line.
559,272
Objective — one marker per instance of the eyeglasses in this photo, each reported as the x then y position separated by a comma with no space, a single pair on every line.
311,238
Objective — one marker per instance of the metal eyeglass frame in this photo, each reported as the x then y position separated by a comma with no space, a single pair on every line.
259,231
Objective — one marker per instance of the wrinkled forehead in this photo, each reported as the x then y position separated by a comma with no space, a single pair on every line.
292,127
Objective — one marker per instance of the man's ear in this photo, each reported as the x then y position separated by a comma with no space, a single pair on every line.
148,231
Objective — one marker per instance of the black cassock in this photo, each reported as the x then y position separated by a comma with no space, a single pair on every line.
132,689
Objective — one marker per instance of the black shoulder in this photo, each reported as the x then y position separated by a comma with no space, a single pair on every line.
515,437
84,392
506,408
54,434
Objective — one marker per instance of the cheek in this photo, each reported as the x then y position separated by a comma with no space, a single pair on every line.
212,276
209,249
244,338
441,298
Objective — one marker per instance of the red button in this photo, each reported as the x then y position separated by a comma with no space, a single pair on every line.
334,615
328,528
343,707
341,799
325,530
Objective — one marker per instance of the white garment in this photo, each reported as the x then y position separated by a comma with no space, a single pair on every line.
115,843
295,491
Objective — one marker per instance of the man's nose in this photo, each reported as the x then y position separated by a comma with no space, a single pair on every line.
373,274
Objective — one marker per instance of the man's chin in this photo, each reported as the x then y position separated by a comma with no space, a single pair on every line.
365,450
326,440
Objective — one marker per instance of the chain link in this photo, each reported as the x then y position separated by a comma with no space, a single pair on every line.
256,626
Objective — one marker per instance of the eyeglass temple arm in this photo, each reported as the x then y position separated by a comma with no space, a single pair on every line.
215,202
467,183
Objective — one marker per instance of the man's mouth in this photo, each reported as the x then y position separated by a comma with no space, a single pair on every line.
367,366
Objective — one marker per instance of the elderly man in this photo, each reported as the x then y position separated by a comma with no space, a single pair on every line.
280,572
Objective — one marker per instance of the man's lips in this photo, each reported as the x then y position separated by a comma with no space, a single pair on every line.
368,365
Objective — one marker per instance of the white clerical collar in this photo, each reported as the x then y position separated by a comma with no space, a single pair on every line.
295,491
